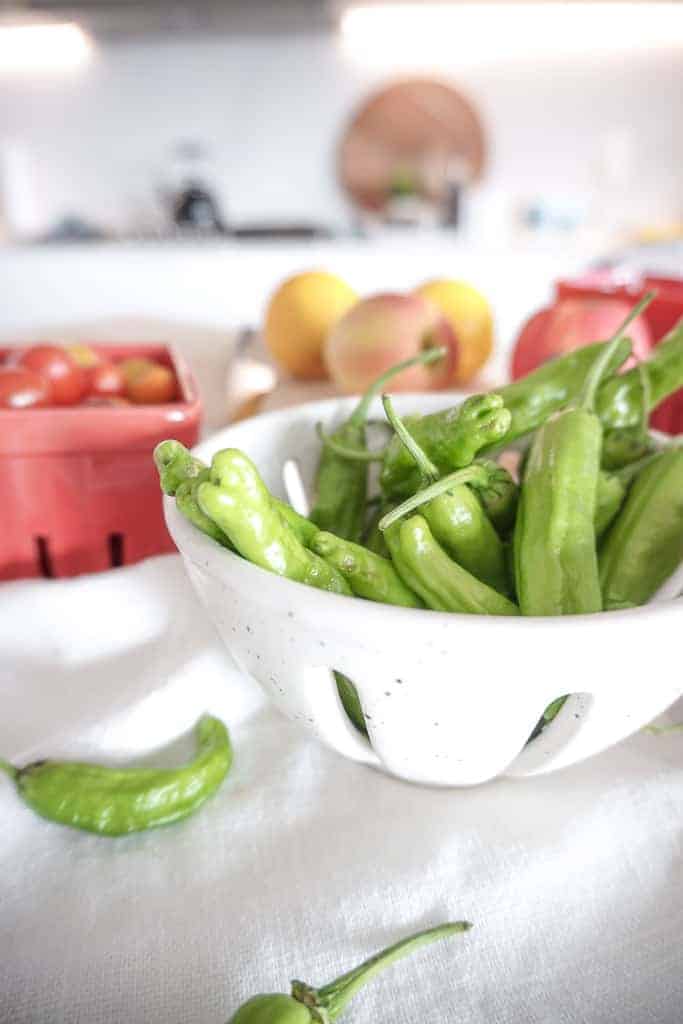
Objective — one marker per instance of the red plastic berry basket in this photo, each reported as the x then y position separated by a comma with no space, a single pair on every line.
662,314
78,488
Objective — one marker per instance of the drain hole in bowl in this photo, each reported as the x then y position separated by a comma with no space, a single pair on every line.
548,716
348,695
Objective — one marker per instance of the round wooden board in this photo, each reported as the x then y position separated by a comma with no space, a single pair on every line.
417,123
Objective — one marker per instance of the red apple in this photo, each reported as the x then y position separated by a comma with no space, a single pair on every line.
572,323
382,330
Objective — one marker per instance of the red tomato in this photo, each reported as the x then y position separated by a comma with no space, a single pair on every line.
572,323
106,380
22,389
152,386
67,380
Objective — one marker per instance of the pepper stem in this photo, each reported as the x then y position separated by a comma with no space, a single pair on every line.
346,451
597,371
360,413
427,468
475,474
331,1000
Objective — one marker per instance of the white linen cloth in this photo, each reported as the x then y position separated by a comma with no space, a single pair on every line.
305,863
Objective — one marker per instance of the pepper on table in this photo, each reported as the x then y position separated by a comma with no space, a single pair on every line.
118,801
308,1005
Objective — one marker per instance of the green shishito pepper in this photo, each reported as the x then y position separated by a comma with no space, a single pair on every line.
369,575
454,513
175,465
187,504
237,500
556,565
645,544
451,440
183,473
117,801
441,583
341,482
307,1005
619,402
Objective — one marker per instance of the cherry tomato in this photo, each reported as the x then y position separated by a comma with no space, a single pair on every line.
86,356
23,389
131,368
106,380
152,386
67,380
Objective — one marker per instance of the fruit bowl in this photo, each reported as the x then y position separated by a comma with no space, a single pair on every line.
448,699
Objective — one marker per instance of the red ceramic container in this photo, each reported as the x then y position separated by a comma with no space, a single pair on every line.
78,488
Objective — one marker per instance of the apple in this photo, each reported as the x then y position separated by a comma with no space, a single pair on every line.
382,330
572,323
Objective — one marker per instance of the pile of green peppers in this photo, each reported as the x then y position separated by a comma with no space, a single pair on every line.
591,522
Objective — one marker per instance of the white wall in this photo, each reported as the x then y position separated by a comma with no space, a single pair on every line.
272,109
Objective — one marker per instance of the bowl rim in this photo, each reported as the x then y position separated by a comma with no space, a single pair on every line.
205,552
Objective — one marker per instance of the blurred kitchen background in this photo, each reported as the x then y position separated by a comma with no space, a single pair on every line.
173,162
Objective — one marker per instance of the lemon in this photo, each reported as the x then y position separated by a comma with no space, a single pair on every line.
299,317
470,317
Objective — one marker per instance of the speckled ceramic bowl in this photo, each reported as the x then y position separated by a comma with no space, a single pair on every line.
448,699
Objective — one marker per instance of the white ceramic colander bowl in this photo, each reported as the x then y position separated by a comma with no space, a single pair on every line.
448,699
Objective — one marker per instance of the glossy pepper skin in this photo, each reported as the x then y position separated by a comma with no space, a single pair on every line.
324,1005
556,564
619,401
460,525
369,575
451,440
622,447
556,567
434,573
645,543
348,695
341,483
237,500
117,801
609,498
556,384
175,464
187,472
499,496
186,502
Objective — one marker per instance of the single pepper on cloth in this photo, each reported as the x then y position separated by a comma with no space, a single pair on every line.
237,500
323,1005
369,575
645,544
454,512
556,565
117,801
341,483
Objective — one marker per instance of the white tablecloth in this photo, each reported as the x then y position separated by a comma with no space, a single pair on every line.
304,863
